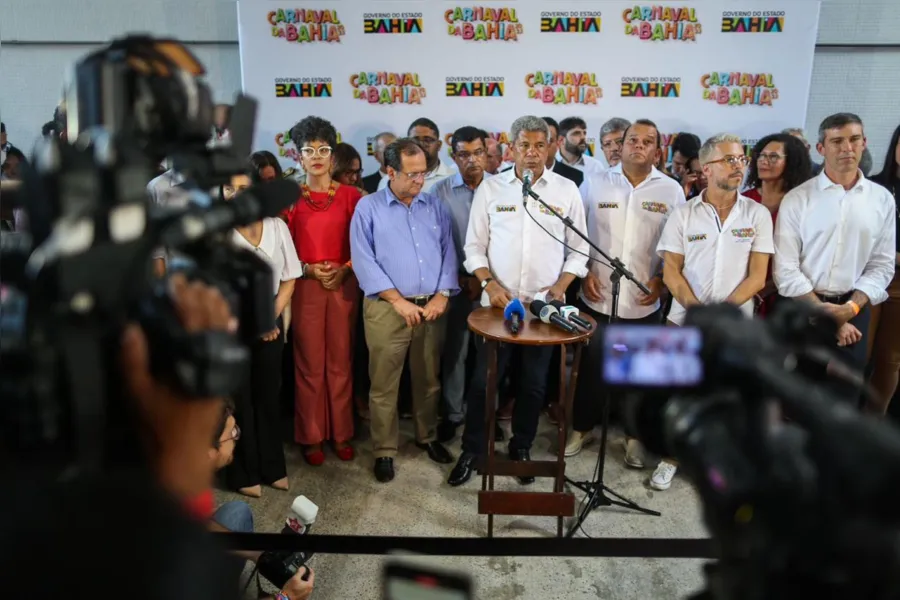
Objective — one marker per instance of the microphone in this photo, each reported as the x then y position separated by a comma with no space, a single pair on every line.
257,202
513,315
570,313
548,314
279,567
527,176
302,515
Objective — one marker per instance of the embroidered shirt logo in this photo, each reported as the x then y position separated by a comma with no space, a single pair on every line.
608,205
657,207
546,211
506,208
744,233
696,237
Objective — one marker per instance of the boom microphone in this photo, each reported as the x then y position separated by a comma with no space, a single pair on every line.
548,314
514,315
570,313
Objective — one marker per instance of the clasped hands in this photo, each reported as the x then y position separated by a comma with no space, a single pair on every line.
594,290
847,333
413,314
325,273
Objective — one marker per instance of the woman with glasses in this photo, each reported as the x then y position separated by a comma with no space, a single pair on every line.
325,302
260,457
779,163
347,168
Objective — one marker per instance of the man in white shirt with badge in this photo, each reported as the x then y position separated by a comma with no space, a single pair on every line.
716,247
513,257
835,241
627,208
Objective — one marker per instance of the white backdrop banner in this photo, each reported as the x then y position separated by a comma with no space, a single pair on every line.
376,65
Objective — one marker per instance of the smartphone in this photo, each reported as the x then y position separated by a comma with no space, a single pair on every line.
652,357
404,581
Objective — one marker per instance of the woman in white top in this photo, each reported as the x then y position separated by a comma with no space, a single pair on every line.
259,458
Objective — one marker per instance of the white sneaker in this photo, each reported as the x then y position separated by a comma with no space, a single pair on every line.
634,453
662,476
577,441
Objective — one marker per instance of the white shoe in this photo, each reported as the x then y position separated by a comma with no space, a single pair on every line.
577,441
662,476
634,453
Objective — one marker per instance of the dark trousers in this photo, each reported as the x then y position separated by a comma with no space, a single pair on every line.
532,382
587,407
258,454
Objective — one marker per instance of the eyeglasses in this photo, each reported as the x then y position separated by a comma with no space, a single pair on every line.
732,161
464,156
235,435
321,151
415,176
427,141
772,157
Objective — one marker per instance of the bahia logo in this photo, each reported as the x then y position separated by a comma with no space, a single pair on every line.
303,87
570,22
662,23
756,21
739,89
651,87
483,24
398,22
472,87
563,87
302,25
384,87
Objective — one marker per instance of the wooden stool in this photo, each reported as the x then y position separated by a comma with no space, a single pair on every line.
488,323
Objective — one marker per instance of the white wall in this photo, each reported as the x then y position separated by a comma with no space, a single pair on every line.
57,32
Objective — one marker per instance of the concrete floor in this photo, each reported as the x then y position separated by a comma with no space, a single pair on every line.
420,503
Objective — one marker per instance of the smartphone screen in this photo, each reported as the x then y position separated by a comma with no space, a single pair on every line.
652,356
407,582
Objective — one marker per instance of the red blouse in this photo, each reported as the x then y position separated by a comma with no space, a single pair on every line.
324,236
768,304
754,194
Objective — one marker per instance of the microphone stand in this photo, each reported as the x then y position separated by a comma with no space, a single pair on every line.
595,489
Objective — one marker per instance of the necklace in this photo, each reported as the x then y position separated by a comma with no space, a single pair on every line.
332,188
721,208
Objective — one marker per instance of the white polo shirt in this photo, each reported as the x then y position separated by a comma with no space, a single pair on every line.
502,237
716,254
431,178
276,248
833,241
627,222
586,164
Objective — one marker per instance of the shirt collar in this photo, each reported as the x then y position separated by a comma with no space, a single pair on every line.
654,172
391,198
823,182
512,178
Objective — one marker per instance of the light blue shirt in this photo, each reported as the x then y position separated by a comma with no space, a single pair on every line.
457,197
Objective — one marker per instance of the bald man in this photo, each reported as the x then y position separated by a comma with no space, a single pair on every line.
494,156
370,182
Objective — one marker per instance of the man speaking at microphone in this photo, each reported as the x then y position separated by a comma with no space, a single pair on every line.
511,254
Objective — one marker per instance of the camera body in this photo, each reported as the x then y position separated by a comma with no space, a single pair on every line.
279,567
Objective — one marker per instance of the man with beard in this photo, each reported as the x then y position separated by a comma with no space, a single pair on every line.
468,145
627,208
716,247
573,144
836,240
612,136
425,131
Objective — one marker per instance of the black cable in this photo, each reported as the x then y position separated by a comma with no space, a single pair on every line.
570,248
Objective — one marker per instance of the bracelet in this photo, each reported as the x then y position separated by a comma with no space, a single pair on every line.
854,306
281,596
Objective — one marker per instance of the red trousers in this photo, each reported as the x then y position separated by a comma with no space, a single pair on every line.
323,322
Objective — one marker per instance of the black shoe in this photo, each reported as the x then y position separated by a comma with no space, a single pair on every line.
446,431
384,469
524,456
462,472
499,436
436,452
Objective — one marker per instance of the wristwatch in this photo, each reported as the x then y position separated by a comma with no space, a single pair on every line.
444,293
486,281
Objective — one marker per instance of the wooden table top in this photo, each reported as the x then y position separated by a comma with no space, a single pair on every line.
488,323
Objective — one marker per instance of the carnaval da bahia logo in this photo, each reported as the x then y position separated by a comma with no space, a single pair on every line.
398,22
651,87
382,87
739,89
483,24
753,21
570,22
303,87
474,86
302,25
563,87
662,23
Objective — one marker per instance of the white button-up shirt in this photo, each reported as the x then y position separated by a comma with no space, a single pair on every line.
276,248
716,254
431,178
521,256
833,241
586,164
627,222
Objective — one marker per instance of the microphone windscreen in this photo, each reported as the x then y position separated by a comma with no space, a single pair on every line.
537,306
305,509
515,307
556,304
542,296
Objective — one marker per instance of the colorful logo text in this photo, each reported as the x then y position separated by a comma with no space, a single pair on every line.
744,232
738,89
662,23
607,205
570,22
656,207
474,86
563,87
696,237
482,24
392,22
651,87
303,87
302,25
387,88
753,22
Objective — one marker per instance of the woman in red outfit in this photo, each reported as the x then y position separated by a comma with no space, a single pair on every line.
779,163
325,303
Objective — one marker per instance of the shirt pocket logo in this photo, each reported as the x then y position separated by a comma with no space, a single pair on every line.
607,205
655,207
546,211
744,234
506,208
696,237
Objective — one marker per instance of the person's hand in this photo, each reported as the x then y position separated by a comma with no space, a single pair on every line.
555,292
655,286
411,313
180,428
435,307
592,289
298,589
848,335
498,295
271,336
840,313
687,183
335,278
319,271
